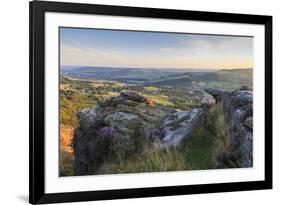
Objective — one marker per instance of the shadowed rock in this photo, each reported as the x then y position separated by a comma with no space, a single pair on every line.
88,118
120,119
134,96
238,113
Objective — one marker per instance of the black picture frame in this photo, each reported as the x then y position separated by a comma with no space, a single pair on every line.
37,194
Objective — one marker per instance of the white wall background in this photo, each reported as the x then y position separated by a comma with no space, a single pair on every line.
14,44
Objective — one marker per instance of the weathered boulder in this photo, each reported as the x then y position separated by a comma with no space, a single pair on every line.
90,150
120,120
122,126
134,96
215,92
125,97
241,98
88,118
179,125
238,114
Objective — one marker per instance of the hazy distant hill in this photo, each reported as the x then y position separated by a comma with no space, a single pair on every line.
127,75
227,79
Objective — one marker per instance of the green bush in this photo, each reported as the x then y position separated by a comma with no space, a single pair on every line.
70,104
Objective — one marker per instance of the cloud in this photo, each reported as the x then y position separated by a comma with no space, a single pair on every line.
189,53
232,46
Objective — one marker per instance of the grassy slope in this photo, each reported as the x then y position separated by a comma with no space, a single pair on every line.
207,142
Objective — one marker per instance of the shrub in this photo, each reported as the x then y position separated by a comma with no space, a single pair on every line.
66,150
127,143
70,104
120,148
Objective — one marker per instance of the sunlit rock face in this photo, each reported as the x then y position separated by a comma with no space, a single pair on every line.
238,113
179,125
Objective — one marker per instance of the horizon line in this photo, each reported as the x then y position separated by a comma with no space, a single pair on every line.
133,67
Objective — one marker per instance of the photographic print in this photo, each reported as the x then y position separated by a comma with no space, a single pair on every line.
143,101
129,102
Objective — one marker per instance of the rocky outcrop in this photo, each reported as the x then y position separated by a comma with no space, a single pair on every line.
179,125
121,120
122,126
238,114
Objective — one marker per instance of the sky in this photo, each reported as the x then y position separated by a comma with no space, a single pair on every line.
137,49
